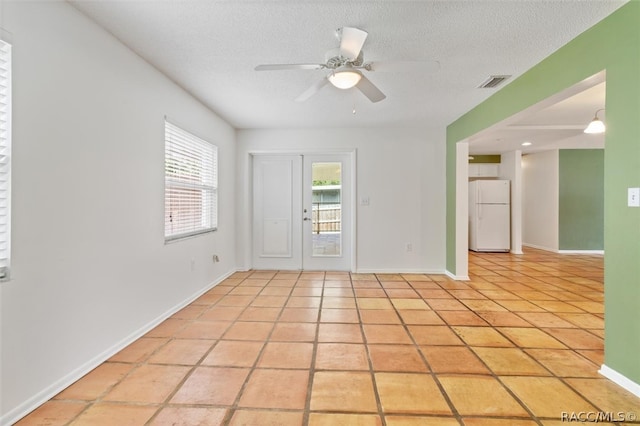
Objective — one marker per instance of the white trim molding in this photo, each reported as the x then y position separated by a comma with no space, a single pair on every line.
620,380
457,277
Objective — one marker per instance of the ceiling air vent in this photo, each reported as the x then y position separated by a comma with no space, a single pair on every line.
493,81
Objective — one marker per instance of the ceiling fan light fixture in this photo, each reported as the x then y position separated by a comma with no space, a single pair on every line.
345,78
596,126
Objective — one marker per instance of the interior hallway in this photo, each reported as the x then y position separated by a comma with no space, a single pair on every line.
519,344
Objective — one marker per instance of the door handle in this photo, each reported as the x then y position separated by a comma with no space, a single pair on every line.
306,218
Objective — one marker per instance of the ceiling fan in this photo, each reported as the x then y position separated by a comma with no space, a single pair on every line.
346,64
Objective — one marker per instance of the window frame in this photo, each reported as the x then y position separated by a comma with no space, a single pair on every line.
192,181
5,159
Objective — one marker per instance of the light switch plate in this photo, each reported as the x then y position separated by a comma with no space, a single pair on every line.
633,197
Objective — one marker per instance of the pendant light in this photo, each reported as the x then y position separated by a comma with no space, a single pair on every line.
596,126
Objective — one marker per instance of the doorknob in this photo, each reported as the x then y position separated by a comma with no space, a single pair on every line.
306,218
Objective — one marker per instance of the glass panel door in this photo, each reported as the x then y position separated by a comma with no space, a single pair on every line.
326,208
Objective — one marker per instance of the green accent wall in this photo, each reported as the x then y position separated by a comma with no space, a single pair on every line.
485,159
612,45
581,203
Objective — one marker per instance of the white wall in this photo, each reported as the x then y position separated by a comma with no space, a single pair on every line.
89,264
540,200
511,169
401,171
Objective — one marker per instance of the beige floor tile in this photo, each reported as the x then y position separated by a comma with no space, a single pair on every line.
434,293
287,389
286,355
453,359
373,303
294,332
483,305
418,304
339,315
108,414
480,396
221,313
245,291
148,384
546,396
421,317
230,300
410,393
386,333
369,292
96,382
420,421
139,350
181,352
341,356
303,302
583,320
189,416
379,316
322,419
402,293
337,291
269,301
462,318
504,319
434,335
276,291
53,413
545,319
343,392
232,353
339,302
607,396
531,338
576,339
481,336
470,421
510,361
266,417
189,312
253,313
167,328
564,363
299,315
203,330
248,330
212,386
307,292
339,333
595,356
520,306
400,358
445,304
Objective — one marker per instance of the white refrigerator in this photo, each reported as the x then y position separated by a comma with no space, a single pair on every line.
489,215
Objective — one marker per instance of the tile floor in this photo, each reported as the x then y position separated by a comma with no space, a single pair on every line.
519,344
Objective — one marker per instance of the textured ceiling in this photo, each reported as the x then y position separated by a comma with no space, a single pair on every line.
211,48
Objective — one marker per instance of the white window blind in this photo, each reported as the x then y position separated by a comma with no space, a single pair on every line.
5,159
191,184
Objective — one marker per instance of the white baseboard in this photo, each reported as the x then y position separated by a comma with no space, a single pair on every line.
400,271
581,251
553,250
620,380
58,386
457,277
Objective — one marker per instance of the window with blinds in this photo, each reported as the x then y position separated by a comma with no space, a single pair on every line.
191,184
5,159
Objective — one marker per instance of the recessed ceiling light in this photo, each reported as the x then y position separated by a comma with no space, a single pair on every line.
526,143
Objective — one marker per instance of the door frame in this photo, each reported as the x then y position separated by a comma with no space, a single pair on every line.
352,161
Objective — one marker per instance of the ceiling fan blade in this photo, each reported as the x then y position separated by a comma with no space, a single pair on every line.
278,67
315,88
370,90
351,42
404,66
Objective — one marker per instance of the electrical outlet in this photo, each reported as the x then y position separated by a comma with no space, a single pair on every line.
633,195
409,247
215,258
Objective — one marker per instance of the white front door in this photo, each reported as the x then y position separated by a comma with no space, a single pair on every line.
302,212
